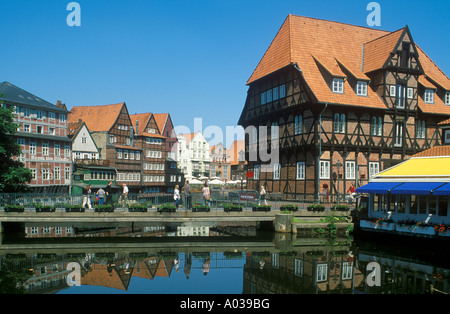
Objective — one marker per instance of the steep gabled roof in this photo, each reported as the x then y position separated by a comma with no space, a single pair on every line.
317,45
377,51
97,118
143,120
17,95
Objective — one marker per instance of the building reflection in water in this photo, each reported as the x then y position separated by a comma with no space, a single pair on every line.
307,269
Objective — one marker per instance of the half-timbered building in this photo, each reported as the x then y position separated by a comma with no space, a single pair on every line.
113,133
340,103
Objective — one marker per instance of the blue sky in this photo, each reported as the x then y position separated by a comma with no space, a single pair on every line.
190,58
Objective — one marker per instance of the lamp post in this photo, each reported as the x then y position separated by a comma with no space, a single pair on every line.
338,165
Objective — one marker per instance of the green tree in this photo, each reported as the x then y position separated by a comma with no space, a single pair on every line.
14,177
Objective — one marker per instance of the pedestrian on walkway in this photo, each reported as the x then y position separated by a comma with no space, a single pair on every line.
108,192
87,196
176,196
262,195
187,193
124,194
206,194
101,196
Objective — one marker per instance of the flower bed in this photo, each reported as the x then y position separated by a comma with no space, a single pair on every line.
315,208
45,209
340,207
378,224
289,207
104,209
14,208
261,208
167,208
201,208
74,209
137,208
232,208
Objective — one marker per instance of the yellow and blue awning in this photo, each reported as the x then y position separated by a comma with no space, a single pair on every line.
406,188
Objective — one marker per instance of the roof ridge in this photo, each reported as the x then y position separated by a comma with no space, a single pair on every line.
336,22
385,35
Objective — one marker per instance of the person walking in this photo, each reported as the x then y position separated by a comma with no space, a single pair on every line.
206,194
187,193
101,196
108,192
87,196
176,196
124,194
262,195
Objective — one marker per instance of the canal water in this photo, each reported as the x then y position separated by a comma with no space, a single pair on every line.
224,259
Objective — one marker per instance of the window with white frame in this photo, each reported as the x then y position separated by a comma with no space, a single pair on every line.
374,169
410,93
361,88
66,151
276,171
376,127
338,85
447,137
45,149
398,134
392,89
33,174
339,124
420,129
125,154
298,124
429,96
26,128
350,170
298,267
321,272
32,148
324,169
67,173
401,96
447,98
119,154
347,270
45,174
57,173
300,173
257,171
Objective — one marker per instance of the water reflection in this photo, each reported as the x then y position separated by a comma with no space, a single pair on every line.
209,259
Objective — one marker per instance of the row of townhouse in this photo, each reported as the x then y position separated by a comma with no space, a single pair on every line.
347,101
67,150
197,158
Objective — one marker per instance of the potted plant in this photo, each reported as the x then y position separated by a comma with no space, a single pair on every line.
134,208
74,208
201,208
45,209
104,208
289,207
261,208
340,207
167,207
315,207
228,207
14,208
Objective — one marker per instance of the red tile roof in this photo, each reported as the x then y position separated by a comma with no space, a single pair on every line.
97,118
437,151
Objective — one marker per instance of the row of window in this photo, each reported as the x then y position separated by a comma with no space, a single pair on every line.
337,86
153,178
401,92
412,204
148,166
102,175
126,154
154,141
50,174
129,177
350,170
39,114
273,94
32,148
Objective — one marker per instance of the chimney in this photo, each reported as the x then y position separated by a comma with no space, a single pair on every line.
137,126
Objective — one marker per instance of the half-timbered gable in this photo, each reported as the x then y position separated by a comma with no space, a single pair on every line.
348,102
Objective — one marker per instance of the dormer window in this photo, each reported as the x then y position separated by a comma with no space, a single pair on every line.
361,88
447,98
338,85
429,96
